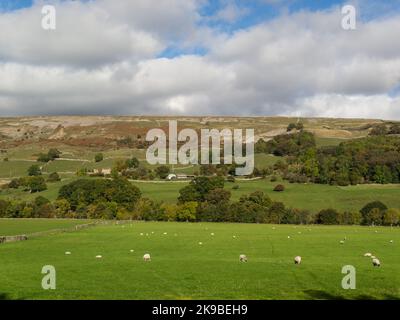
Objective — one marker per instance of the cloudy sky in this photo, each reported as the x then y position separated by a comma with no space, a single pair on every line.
201,57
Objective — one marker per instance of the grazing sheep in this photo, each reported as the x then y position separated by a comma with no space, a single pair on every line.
147,257
288,237
200,243
212,233
373,257
341,242
67,253
376,262
297,260
368,254
99,257
132,250
391,241
242,258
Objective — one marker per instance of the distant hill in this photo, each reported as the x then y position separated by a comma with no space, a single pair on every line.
112,131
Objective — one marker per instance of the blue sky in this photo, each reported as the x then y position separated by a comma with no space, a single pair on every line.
14,4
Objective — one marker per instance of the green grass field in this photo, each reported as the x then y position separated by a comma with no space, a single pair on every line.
9,227
303,196
181,268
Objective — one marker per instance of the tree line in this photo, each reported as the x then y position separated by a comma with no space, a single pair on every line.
373,159
204,199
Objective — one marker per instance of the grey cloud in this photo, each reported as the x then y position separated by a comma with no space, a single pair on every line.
300,64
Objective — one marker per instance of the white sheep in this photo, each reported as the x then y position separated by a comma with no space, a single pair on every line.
341,242
368,254
297,260
67,253
147,257
373,257
376,262
99,257
242,258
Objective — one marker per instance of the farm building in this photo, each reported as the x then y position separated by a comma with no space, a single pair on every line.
173,176
102,171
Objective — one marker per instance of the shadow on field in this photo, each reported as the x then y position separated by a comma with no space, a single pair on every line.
5,296
323,295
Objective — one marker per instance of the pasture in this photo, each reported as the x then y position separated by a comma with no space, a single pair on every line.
181,268
10,227
313,197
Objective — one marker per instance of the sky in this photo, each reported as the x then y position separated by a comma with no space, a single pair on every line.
200,57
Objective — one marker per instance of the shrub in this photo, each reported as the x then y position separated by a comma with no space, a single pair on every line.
53,154
132,163
328,216
162,171
34,170
98,157
291,127
379,130
376,216
14,184
36,184
53,177
43,158
391,217
49,156
279,188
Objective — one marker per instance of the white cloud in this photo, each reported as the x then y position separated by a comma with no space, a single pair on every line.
230,13
349,106
103,59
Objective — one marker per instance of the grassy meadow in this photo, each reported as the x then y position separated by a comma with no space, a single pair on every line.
181,268
10,227
191,260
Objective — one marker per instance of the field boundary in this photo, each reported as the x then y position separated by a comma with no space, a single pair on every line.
5,239
16,238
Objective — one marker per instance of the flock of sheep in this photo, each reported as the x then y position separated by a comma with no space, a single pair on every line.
243,258
375,260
